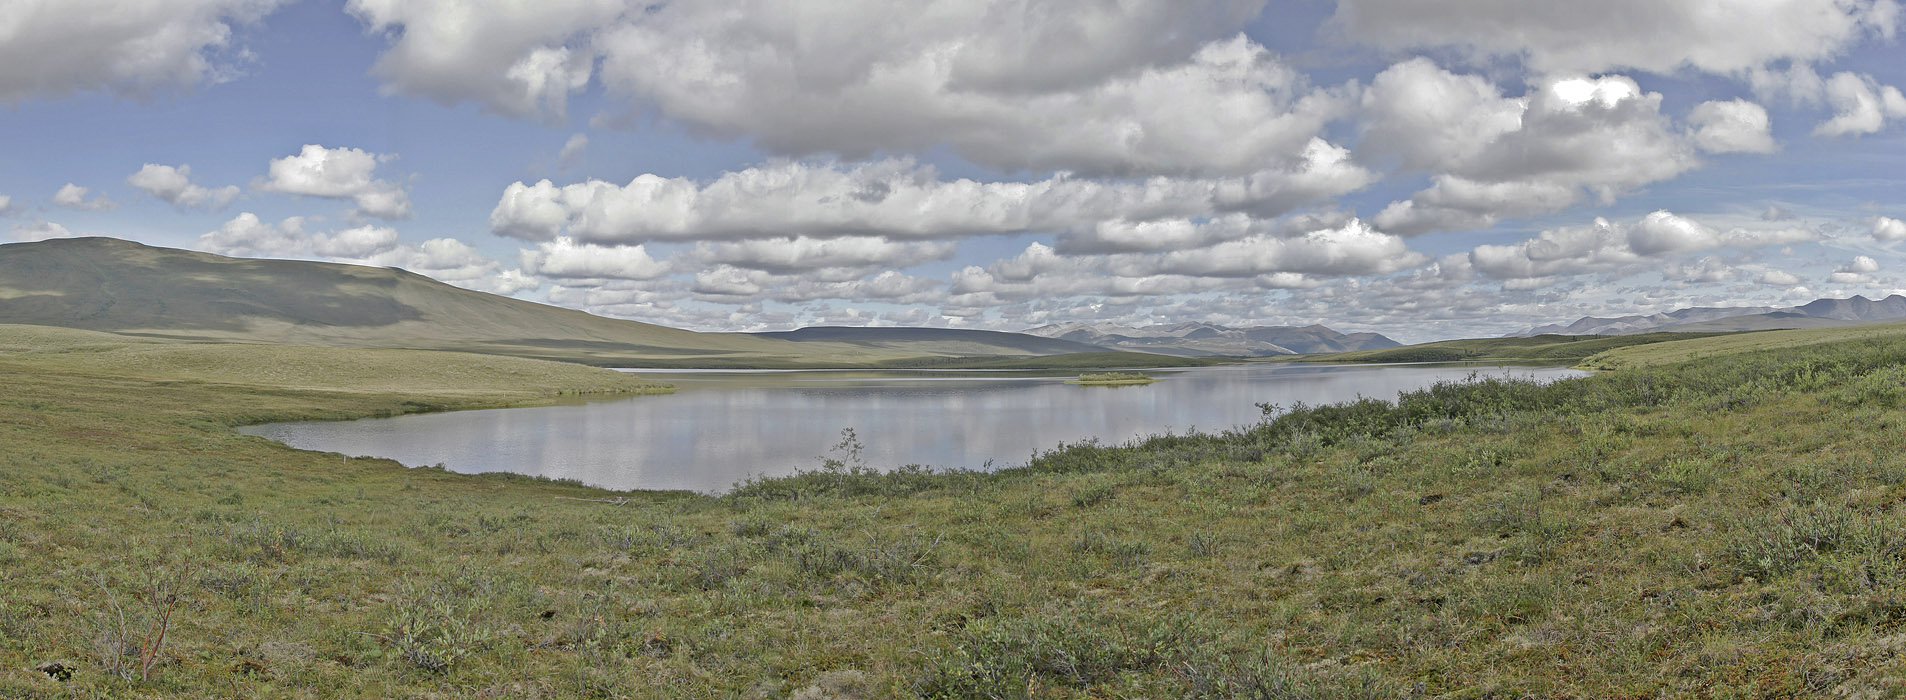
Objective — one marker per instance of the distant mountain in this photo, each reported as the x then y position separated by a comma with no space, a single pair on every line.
943,340
1206,339
107,284
1819,313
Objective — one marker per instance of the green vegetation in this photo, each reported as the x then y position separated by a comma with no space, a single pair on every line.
1112,379
1687,350
1723,528
1542,348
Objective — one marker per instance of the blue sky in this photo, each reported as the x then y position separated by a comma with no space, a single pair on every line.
759,165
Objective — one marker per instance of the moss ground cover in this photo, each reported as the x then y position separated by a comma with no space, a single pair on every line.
1725,529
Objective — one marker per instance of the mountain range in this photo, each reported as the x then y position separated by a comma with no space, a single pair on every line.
1820,313
1205,339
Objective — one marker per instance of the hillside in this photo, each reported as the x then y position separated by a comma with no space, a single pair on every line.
1205,339
112,285
1542,348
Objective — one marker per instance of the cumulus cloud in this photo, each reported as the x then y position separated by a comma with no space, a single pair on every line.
1605,246
564,258
73,196
1137,87
517,59
1227,109
1731,126
1659,36
445,259
792,255
39,230
1861,105
55,48
338,173
1858,271
1777,278
1886,228
1493,156
175,186
6,205
1257,261
895,198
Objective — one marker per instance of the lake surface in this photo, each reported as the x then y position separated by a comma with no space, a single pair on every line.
723,427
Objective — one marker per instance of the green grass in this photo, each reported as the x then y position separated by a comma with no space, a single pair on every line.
1541,348
1700,348
1726,528
1112,379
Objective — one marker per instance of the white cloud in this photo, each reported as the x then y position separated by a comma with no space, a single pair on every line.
1861,105
791,255
1228,109
1495,157
6,205
174,185
1433,118
1858,271
1605,246
1731,126
1135,87
54,48
564,258
1886,228
40,230
1659,36
1353,249
73,196
897,199
518,59
445,259
1777,278
571,154
338,173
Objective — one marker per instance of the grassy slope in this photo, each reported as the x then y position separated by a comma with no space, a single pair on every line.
1541,348
1686,350
1720,529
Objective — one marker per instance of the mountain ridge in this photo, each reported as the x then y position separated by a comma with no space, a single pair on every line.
1819,313
1199,339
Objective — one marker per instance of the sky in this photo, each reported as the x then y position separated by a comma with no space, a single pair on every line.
1425,169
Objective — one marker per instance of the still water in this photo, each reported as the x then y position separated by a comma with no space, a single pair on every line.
723,427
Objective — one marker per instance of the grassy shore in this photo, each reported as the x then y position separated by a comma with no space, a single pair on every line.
1111,379
1726,528
1564,349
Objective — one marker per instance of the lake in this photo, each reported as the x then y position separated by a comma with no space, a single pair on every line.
721,427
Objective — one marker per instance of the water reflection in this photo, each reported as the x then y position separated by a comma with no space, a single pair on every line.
722,427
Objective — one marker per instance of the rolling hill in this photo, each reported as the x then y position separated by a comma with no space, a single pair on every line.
117,286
